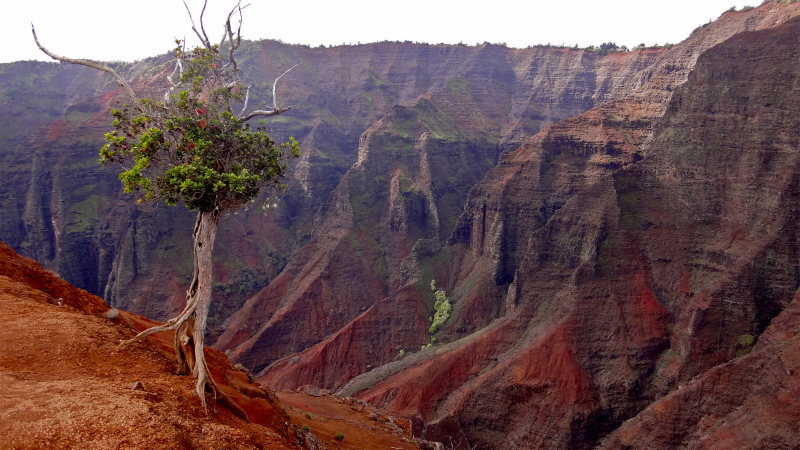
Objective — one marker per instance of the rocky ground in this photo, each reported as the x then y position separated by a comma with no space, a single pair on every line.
361,425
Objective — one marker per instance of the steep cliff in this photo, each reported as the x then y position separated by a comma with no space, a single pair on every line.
502,213
621,253
399,202
67,212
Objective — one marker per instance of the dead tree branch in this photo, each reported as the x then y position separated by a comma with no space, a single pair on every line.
203,38
85,62
234,43
179,70
275,109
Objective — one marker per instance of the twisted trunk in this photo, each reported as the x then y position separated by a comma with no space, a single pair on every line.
190,325
190,335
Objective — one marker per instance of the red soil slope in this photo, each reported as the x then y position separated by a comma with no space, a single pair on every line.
63,384
363,426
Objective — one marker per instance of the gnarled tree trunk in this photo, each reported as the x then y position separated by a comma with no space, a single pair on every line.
190,325
205,233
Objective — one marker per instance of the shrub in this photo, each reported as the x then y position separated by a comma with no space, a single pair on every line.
442,307
340,437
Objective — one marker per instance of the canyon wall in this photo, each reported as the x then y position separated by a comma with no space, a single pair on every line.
614,232
636,254
66,211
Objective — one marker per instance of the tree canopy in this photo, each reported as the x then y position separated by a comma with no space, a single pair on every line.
191,146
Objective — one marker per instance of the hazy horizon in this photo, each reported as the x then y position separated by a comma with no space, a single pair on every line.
69,28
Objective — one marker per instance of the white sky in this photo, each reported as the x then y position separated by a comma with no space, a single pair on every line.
134,29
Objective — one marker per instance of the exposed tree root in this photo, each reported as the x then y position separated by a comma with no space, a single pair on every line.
190,325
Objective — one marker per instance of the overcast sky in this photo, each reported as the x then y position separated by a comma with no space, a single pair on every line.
133,29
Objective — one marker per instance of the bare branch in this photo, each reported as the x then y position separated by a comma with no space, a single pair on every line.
179,69
224,36
274,95
204,41
273,112
275,109
246,98
84,62
234,43
232,55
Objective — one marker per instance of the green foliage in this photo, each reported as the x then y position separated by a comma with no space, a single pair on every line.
746,340
748,8
643,46
745,344
340,437
606,48
442,307
306,427
309,416
191,147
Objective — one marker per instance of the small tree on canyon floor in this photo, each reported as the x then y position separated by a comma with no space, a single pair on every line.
191,146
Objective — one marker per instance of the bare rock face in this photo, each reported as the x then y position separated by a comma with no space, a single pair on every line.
750,402
374,237
567,167
621,253
67,212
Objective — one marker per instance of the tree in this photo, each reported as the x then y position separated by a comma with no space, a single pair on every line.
442,307
191,146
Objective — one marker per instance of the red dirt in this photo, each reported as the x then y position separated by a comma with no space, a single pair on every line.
63,384
331,415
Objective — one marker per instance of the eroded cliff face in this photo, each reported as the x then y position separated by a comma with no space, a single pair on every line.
379,232
621,253
722,170
67,212
516,200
